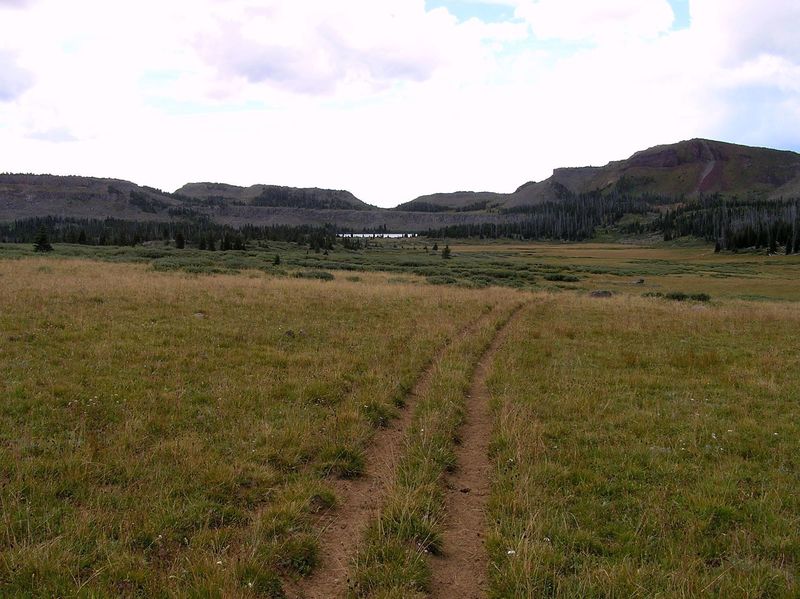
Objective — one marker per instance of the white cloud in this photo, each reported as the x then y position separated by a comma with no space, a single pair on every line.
322,47
590,19
55,135
384,98
14,81
14,3
740,30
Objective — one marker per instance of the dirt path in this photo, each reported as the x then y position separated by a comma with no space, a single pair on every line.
359,500
461,572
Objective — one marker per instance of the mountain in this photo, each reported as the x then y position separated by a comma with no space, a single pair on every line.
24,196
276,196
684,169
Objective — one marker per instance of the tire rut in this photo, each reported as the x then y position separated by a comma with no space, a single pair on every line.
461,572
359,500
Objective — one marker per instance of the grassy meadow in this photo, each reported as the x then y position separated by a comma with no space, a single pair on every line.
646,448
171,421
166,434
657,267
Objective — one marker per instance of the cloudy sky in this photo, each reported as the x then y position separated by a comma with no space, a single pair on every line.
387,98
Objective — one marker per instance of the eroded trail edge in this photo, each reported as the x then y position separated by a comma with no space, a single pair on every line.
359,500
461,571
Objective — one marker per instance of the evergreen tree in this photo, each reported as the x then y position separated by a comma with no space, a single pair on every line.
435,247
180,242
277,260
446,252
42,243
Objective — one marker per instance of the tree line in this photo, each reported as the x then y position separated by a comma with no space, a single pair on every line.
200,233
576,217
734,224
729,223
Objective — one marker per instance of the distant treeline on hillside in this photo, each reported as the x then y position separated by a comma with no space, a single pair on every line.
203,234
736,224
730,224
574,218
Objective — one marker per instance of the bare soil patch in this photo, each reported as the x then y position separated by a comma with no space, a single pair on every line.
359,500
461,572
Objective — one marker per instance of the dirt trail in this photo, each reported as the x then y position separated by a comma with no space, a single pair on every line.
359,500
461,572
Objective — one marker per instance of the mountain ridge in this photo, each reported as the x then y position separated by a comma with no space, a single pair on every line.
682,170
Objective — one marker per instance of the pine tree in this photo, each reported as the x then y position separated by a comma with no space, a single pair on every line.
180,242
446,252
42,242
277,259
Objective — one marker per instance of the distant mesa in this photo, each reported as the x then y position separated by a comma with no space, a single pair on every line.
275,196
682,170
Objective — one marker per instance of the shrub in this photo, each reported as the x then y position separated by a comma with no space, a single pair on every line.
321,275
561,277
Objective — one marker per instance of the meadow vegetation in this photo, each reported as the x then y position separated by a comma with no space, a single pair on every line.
393,558
646,448
682,266
163,433
173,421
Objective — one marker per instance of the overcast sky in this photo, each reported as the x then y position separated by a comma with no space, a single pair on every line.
387,98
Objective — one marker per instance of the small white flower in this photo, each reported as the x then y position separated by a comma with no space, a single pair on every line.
511,552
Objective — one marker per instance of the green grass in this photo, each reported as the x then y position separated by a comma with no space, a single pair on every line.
165,433
171,420
647,448
392,560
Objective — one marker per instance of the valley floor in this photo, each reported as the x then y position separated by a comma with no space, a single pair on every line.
248,433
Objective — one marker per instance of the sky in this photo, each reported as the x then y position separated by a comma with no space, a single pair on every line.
390,99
